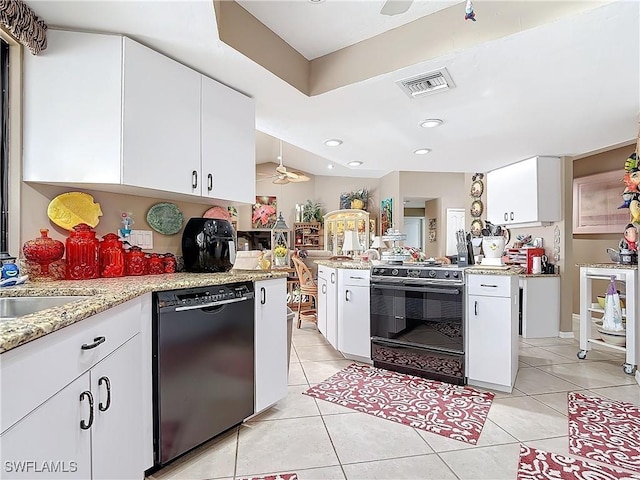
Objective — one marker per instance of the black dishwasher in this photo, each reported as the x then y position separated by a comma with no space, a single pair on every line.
203,365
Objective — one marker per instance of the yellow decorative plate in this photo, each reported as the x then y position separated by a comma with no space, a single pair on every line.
69,209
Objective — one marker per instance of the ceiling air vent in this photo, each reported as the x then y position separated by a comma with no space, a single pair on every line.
427,83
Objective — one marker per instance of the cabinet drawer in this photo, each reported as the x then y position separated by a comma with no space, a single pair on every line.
489,285
354,277
34,372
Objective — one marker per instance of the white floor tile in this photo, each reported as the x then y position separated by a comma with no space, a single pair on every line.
559,445
536,356
525,418
283,446
495,463
316,372
591,374
315,353
324,473
363,437
626,393
423,467
296,375
534,381
491,435
295,405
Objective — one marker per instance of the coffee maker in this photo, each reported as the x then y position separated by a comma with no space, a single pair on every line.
208,245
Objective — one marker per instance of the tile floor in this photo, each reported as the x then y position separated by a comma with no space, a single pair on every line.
320,440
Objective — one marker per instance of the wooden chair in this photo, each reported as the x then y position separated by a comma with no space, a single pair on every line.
309,288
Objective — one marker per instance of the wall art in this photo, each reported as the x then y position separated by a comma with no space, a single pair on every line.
386,215
264,212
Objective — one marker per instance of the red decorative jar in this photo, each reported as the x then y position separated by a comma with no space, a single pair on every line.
156,264
111,256
43,251
82,253
135,261
169,261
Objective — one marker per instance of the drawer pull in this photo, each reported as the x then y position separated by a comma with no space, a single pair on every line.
83,395
475,308
209,182
194,179
105,407
96,341
346,295
356,278
487,285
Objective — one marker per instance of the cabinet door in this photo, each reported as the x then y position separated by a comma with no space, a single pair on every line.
332,308
50,438
490,339
270,342
523,185
322,306
499,199
72,109
161,122
228,143
354,337
115,383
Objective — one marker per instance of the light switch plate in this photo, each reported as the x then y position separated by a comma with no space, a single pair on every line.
141,238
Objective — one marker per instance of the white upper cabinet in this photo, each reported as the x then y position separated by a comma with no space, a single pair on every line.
111,114
228,143
526,193
161,122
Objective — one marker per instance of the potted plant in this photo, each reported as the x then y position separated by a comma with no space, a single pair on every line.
359,198
311,212
281,253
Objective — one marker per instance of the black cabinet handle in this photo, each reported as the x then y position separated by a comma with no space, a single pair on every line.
209,182
333,277
96,341
506,216
263,296
324,288
83,395
475,308
346,295
194,179
511,216
108,404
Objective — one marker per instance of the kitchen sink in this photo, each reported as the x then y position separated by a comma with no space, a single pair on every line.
12,307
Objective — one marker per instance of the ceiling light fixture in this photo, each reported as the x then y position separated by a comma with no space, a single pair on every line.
333,142
355,163
431,123
422,151
316,1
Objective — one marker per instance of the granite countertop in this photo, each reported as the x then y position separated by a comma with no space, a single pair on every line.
351,264
480,270
105,293
608,265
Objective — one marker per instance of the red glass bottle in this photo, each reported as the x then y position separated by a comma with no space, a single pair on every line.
43,251
111,256
82,253
135,262
156,264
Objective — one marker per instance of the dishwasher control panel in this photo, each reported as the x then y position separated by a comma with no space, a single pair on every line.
205,296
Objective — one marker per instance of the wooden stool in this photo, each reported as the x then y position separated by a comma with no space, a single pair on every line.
308,287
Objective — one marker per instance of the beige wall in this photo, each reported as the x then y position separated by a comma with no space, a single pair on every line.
592,248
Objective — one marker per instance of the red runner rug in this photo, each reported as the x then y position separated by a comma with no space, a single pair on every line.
279,476
605,430
448,410
540,465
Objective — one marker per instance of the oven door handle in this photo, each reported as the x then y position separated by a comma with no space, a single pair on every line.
379,341
408,288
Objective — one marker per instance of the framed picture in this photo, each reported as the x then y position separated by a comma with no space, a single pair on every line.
264,212
344,201
596,202
386,215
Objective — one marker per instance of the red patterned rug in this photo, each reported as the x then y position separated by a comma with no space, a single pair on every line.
448,410
605,430
278,476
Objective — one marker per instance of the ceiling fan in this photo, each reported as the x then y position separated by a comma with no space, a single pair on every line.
395,7
284,176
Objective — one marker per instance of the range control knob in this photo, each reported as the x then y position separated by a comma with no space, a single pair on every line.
446,274
432,274
455,274
394,272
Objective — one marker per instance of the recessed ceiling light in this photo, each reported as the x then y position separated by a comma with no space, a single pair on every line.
422,151
333,142
316,1
430,123
355,163
330,167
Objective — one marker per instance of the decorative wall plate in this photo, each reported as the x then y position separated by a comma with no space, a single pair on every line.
477,187
218,213
165,218
69,209
476,208
476,227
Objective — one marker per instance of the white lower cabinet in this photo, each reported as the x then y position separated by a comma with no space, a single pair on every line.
270,342
492,332
328,304
89,429
354,328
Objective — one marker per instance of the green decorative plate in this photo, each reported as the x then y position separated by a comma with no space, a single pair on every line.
165,218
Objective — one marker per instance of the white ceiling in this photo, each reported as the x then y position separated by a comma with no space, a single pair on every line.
564,88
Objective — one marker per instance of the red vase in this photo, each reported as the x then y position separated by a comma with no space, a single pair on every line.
111,256
156,264
43,251
82,253
135,262
169,263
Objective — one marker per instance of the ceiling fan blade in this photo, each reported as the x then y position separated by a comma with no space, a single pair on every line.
395,7
281,169
300,177
281,181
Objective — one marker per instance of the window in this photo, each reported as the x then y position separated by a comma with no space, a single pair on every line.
4,146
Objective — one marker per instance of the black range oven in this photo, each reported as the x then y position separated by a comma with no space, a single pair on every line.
418,320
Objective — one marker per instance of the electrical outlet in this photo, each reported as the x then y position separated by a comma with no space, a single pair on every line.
141,238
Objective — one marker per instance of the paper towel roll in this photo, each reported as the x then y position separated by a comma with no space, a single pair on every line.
537,265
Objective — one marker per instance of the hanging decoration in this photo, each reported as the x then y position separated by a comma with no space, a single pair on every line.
24,25
631,200
470,13
477,187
